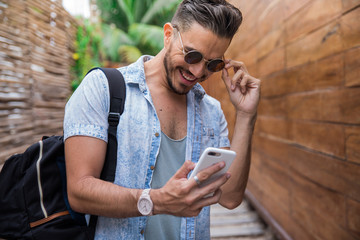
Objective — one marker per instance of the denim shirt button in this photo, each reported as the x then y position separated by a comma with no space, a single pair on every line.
142,232
157,134
152,167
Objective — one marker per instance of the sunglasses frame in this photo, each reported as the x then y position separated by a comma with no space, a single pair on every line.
208,62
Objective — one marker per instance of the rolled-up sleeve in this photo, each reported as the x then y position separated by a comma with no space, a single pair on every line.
87,110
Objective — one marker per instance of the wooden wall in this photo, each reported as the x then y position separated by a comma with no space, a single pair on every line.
36,41
306,148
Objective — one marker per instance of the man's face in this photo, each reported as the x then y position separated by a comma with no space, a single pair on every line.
181,76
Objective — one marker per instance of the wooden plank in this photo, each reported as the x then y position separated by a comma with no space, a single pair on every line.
270,17
323,42
333,174
271,174
352,68
339,176
340,106
324,74
353,144
277,127
273,62
329,210
311,135
249,27
316,136
277,84
275,107
270,41
291,7
349,4
248,56
245,7
350,29
353,219
311,17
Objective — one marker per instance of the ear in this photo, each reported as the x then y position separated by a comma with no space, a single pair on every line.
168,34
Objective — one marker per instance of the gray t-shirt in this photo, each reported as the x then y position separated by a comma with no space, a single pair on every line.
171,157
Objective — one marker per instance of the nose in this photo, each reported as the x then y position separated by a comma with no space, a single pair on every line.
198,69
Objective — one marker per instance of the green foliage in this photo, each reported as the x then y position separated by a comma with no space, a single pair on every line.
129,53
88,53
127,30
148,38
113,38
160,12
141,20
124,13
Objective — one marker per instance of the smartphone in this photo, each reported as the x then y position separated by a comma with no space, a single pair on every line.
211,156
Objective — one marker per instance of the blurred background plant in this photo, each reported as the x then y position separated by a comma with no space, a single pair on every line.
124,30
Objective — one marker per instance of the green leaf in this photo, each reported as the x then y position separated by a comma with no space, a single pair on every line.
149,38
129,53
126,8
159,7
113,38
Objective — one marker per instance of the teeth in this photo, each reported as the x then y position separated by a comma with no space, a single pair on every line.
187,77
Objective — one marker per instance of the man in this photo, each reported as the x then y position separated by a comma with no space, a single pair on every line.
167,123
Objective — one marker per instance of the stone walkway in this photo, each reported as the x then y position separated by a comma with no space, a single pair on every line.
241,223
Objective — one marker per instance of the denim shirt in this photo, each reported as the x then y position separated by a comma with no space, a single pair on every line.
139,136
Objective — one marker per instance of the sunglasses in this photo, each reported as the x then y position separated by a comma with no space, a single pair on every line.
193,57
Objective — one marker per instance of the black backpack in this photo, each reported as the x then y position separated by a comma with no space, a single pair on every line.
33,196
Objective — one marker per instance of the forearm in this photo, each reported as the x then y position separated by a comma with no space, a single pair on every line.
94,196
234,189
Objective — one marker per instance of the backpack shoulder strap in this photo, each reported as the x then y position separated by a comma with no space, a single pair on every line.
117,92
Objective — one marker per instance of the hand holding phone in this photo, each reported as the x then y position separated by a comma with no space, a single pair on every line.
212,156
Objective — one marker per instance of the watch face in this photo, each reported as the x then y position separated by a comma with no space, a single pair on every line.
145,206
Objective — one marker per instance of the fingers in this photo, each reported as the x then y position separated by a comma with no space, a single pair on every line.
207,173
237,65
184,169
183,197
241,77
238,80
203,177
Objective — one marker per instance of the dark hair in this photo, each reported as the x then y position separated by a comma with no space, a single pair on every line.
219,16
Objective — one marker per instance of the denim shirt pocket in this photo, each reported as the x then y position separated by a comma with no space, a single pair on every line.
210,138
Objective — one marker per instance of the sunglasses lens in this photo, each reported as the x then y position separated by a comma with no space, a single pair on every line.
216,65
193,57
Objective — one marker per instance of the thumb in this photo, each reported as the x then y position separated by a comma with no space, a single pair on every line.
185,169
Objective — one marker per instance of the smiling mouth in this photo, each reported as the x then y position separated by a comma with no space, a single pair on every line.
187,76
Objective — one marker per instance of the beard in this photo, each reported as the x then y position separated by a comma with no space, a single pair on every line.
168,66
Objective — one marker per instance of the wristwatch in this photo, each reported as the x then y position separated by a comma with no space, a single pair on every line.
145,205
